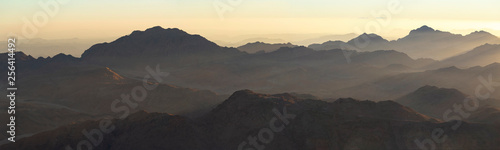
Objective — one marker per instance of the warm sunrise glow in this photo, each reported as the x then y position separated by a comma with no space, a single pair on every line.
111,19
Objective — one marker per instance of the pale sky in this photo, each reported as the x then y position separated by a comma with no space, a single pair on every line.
114,18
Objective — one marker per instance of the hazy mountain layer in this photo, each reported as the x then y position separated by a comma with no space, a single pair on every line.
392,87
479,56
423,42
263,47
304,124
434,102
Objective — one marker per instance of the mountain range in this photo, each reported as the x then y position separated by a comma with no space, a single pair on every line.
424,42
479,56
306,124
263,47
196,106
393,87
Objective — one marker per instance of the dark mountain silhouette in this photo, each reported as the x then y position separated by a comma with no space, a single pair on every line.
263,47
157,43
307,124
434,101
63,58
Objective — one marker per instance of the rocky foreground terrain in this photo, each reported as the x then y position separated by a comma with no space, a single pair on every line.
248,120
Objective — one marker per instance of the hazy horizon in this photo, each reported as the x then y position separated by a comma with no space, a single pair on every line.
76,46
106,20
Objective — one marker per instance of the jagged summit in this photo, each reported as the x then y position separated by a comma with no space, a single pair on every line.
481,32
371,37
160,30
424,28
63,58
484,35
263,47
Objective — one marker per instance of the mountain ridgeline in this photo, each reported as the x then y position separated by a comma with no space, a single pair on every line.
424,42
156,44
304,124
195,106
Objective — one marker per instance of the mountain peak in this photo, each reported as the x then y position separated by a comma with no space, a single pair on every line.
19,56
482,33
63,58
158,30
424,28
370,37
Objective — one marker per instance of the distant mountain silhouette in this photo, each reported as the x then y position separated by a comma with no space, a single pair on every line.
360,42
333,37
423,29
263,47
427,42
424,42
372,40
329,45
393,87
479,56
297,69
195,62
